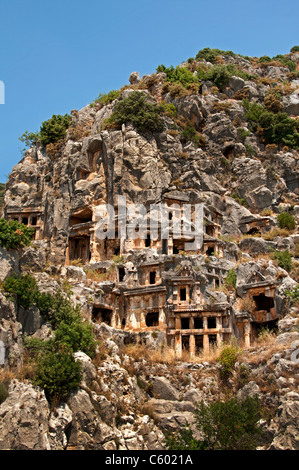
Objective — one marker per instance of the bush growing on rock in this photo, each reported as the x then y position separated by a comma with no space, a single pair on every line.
139,111
57,309
51,131
211,54
272,128
231,279
14,235
22,290
57,372
286,220
283,258
106,98
227,360
230,425
78,336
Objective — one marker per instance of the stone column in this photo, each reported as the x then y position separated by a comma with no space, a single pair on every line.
206,345
178,346
219,330
247,330
192,345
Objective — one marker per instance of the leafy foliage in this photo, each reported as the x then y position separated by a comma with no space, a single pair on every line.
107,98
51,131
22,289
230,425
210,54
139,111
286,220
227,360
231,279
57,371
283,258
64,317
54,129
272,128
78,336
14,235
190,134
178,74
293,294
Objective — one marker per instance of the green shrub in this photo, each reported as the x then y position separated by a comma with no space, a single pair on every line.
78,336
57,372
107,98
227,360
169,109
22,289
283,258
29,138
189,133
272,128
51,131
57,309
184,440
286,220
61,310
241,200
179,74
210,54
295,49
14,235
231,279
218,74
229,425
139,111
54,129
293,294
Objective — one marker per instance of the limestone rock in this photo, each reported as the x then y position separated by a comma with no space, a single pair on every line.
24,423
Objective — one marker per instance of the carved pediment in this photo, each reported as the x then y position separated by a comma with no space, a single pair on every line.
255,277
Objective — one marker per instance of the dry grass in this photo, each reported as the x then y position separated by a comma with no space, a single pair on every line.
6,376
163,355
276,232
167,355
260,353
95,276
209,356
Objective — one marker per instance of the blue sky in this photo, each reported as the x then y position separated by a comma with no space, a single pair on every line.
59,55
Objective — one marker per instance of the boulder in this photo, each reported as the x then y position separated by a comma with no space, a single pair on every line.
24,418
163,389
9,263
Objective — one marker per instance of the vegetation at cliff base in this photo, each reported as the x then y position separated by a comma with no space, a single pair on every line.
229,425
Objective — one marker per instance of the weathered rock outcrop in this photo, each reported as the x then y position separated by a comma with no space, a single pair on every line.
140,292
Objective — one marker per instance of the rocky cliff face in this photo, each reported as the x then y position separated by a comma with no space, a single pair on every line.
243,170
